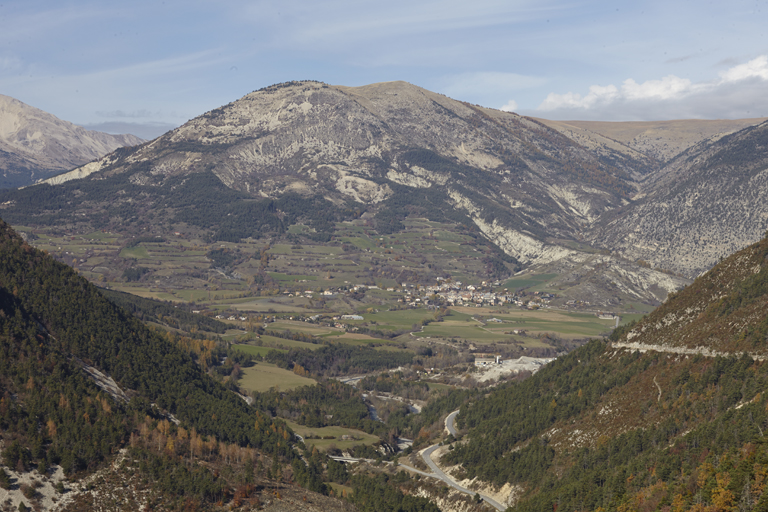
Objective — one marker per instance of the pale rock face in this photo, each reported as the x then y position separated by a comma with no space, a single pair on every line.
34,143
409,180
363,191
577,199
552,198
525,248
79,173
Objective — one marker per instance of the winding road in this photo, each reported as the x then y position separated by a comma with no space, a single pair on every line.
438,473
450,423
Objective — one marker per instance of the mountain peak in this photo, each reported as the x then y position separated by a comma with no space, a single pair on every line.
35,144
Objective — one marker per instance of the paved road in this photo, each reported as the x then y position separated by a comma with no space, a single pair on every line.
436,471
427,456
704,351
450,423
404,466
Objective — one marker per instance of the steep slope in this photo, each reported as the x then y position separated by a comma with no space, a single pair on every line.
34,144
672,411
80,381
519,181
660,140
708,202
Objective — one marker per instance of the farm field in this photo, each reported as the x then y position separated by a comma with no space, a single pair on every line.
264,376
255,350
536,282
564,324
269,281
359,436
286,343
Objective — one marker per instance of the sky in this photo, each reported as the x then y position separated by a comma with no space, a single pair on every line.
146,66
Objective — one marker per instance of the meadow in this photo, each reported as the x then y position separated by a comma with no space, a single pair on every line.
357,436
265,376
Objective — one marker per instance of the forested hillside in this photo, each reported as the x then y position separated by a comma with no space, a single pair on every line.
610,427
53,323
190,443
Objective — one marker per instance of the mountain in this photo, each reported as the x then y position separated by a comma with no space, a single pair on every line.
387,150
669,414
661,140
709,201
559,201
34,144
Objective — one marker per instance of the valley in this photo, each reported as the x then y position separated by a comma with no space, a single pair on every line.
306,298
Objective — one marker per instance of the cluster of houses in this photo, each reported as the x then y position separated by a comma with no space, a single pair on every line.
230,317
452,293
455,294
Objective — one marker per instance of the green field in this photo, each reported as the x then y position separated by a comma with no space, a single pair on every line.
394,320
138,252
254,350
336,432
273,340
470,331
296,326
525,281
264,376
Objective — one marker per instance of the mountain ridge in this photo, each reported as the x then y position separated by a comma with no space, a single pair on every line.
546,198
35,144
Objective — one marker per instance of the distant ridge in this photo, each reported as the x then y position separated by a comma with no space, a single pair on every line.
35,144
662,140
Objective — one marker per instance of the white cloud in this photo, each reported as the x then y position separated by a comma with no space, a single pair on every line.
756,68
511,106
668,87
737,92
597,95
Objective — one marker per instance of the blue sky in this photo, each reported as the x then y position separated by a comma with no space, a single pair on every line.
159,63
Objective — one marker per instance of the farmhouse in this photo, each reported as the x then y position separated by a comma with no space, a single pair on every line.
487,359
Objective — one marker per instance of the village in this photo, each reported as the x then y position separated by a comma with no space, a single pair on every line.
446,292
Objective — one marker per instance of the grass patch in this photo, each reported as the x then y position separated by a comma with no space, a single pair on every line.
340,490
264,376
439,386
528,281
336,432
254,350
626,318
138,252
